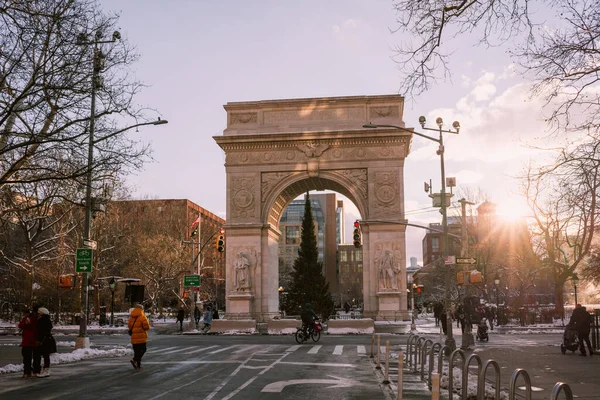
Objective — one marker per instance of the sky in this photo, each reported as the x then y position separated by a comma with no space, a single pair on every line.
198,55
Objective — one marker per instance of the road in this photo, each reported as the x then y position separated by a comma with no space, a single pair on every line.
213,367
272,367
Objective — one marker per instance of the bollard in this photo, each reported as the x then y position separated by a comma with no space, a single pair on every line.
513,384
435,386
560,386
400,369
386,376
372,344
378,352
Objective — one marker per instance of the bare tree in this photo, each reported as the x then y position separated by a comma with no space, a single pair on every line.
560,50
49,53
564,200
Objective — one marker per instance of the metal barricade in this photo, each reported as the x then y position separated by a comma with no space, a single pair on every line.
596,329
424,349
451,370
436,346
513,384
417,355
441,355
481,379
465,374
412,339
560,386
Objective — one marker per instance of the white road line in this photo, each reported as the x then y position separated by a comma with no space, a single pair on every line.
317,364
293,348
362,350
161,350
179,350
246,348
202,349
185,384
223,349
338,350
315,349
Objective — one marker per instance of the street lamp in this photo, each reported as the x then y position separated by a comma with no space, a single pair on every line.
112,284
98,65
450,342
575,280
497,285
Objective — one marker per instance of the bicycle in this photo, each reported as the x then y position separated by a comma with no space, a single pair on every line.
315,335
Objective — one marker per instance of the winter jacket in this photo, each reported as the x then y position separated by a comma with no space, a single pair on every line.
582,319
208,317
29,326
139,325
44,334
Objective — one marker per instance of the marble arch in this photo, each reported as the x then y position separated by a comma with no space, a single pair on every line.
276,150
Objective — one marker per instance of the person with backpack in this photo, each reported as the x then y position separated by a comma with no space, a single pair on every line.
28,327
308,317
180,315
46,344
582,320
138,327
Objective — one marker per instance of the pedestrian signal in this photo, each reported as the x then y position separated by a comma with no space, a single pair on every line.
221,241
356,235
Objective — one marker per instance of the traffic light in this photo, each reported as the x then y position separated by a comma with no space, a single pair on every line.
65,281
221,241
356,235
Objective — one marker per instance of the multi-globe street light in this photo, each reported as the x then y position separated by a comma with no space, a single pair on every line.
98,65
575,280
450,342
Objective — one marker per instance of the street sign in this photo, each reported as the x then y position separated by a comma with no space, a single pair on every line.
466,260
191,280
83,260
91,244
449,260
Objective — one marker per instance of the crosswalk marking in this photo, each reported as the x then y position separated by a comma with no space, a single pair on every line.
202,349
179,350
223,349
246,348
293,348
362,350
315,349
161,350
338,350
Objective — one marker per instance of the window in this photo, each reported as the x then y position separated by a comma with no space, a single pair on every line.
292,234
343,256
358,256
435,244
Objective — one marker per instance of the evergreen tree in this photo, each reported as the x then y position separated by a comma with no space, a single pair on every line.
308,285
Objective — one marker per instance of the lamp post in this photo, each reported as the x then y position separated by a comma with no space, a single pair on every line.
575,280
450,342
98,65
112,285
497,286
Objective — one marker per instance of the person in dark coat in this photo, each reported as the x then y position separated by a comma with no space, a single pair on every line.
215,313
28,326
438,309
45,344
582,320
180,315
197,315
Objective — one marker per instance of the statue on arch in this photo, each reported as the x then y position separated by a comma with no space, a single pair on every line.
388,271
241,266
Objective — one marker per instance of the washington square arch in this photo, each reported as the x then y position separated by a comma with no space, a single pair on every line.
276,150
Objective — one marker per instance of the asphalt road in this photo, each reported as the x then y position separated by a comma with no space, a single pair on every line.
213,367
273,367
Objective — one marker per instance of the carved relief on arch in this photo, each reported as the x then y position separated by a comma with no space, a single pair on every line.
358,177
269,180
386,198
242,268
243,198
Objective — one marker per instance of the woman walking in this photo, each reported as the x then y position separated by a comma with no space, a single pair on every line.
27,325
138,327
45,344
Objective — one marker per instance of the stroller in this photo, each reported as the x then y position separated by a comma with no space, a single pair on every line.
570,339
482,330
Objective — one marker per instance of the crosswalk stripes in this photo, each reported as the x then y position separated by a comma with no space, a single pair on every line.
335,350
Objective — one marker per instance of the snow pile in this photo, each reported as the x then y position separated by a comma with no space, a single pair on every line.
351,331
76,355
282,331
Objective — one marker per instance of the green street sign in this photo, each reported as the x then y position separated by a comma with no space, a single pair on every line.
191,280
466,260
83,260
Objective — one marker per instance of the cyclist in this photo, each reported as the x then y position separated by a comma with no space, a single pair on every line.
308,319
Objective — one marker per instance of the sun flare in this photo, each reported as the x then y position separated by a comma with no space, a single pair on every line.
512,209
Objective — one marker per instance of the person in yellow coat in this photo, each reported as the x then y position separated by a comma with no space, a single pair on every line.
138,329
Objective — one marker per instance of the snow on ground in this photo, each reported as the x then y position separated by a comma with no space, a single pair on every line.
75,355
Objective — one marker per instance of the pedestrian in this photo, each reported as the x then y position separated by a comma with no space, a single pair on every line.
197,315
139,326
438,308
582,320
489,314
215,314
28,327
444,322
180,315
46,344
347,307
207,319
